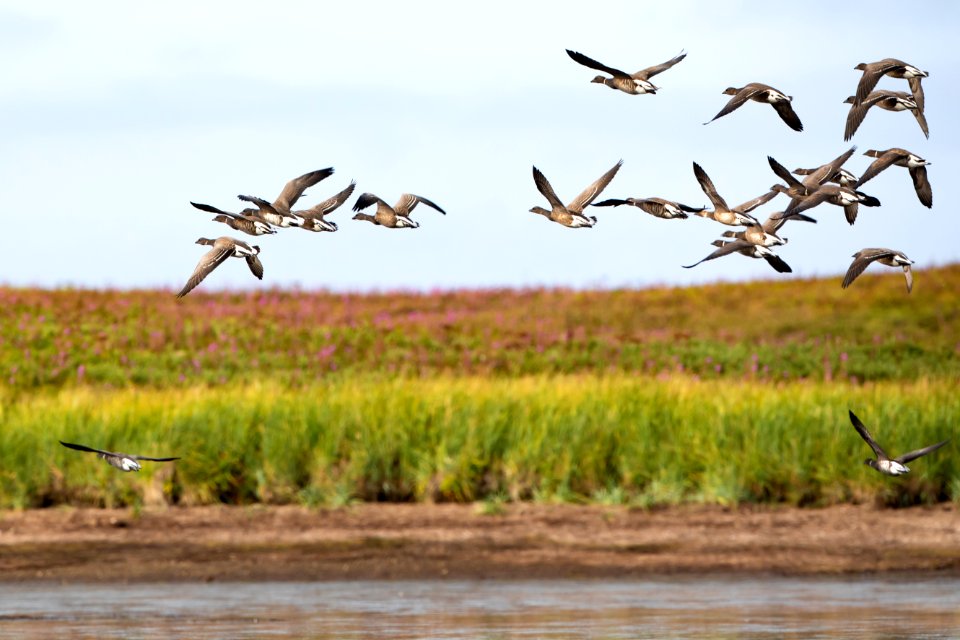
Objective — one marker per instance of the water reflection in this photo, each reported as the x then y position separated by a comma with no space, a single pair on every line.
665,607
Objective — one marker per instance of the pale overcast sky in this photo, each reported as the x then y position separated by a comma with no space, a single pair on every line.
117,114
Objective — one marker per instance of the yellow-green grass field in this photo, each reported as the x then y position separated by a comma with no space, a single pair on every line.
610,439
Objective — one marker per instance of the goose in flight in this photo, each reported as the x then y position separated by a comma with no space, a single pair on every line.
889,257
313,218
395,217
759,92
657,207
122,461
889,100
633,83
223,248
766,234
884,463
873,71
902,158
278,213
841,176
832,171
808,194
749,249
251,225
270,214
734,217
572,214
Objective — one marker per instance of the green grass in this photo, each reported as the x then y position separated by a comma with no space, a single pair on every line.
608,439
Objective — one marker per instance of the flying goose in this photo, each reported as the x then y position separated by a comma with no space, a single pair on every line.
873,71
834,194
122,461
635,84
572,214
314,216
766,234
832,171
889,100
248,224
278,213
734,217
223,248
268,213
808,194
293,190
884,463
759,92
889,257
902,158
841,176
726,247
658,207
395,217
795,189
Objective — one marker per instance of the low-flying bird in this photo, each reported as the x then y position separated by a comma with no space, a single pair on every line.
749,249
889,100
313,218
658,207
572,214
873,71
633,83
737,216
902,158
250,225
223,248
889,257
759,92
395,217
122,461
884,463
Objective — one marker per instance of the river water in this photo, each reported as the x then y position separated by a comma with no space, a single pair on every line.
685,607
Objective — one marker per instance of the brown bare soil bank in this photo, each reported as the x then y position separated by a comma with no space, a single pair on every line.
415,541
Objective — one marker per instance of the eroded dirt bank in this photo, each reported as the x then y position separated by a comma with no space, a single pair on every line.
457,541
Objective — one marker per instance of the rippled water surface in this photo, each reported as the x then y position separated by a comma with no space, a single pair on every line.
889,607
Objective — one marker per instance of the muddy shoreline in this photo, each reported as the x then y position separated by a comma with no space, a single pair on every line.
441,541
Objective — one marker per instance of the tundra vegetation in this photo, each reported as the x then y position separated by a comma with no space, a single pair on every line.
726,394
